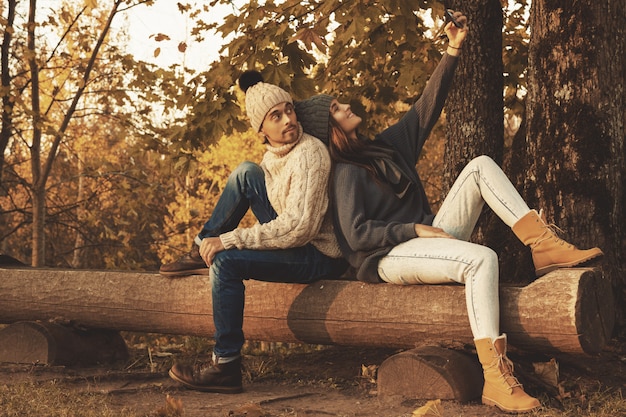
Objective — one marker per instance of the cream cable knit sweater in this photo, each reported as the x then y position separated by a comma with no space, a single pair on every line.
296,177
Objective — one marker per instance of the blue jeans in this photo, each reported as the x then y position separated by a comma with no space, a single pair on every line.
298,265
245,189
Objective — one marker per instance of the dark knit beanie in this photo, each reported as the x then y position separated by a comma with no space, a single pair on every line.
314,115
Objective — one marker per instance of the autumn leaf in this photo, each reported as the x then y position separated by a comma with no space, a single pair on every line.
431,408
159,37
369,372
249,410
182,47
548,372
173,407
309,37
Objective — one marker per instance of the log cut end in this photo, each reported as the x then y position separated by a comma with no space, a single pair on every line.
569,310
595,311
47,343
430,372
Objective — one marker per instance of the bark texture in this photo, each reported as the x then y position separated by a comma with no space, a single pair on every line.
575,167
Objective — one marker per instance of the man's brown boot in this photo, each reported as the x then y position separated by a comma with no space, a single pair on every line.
501,388
548,250
190,264
224,378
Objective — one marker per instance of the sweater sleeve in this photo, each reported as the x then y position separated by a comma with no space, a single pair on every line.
303,204
411,132
353,192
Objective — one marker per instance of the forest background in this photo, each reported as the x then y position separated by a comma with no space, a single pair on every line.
109,162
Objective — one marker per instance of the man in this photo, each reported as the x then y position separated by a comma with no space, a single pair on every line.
293,241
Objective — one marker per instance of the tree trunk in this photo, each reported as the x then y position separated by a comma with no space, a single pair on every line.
8,102
474,111
39,183
38,258
78,255
475,106
576,124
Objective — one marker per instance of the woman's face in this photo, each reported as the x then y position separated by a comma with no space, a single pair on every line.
344,117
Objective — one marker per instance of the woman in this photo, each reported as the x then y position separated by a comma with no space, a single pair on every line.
388,233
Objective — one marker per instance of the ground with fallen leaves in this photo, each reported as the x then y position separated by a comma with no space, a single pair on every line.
328,381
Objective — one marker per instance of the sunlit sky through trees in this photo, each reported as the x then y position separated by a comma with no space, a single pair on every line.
145,22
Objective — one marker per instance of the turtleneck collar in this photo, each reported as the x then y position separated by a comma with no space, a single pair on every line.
280,151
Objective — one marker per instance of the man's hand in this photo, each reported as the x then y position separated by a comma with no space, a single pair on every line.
209,247
423,230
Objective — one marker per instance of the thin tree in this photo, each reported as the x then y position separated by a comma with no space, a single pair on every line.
42,165
8,103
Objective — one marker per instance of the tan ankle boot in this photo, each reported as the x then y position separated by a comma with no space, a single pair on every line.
501,388
548,250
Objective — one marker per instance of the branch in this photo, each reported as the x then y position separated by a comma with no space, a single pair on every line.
68,116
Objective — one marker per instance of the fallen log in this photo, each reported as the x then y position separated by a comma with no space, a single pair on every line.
567,310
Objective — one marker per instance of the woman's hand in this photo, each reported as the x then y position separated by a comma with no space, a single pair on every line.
456,36
209,247
422,230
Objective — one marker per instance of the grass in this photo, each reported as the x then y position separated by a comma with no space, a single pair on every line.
155,353
50,399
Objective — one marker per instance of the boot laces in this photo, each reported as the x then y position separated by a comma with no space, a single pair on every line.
551,231
200,368
505,368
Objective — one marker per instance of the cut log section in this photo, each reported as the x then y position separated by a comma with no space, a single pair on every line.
567,310
54,344
430,372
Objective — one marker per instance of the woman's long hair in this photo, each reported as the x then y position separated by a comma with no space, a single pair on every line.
375,156
350,151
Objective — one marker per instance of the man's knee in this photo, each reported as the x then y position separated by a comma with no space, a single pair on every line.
247,168
229,263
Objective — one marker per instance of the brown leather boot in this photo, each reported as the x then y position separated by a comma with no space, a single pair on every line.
190,264
224,378
549,251
501,388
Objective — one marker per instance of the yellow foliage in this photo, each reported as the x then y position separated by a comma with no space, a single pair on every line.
203,186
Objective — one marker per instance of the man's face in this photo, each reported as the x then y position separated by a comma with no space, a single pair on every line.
280,125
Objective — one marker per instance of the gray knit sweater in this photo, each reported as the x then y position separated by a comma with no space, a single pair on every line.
370,219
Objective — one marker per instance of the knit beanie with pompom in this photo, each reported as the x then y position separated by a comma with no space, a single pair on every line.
260,97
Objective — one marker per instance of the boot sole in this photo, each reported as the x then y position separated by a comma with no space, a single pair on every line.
176,274
488,401
207,388
550,268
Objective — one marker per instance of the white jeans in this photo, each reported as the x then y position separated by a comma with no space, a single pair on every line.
445,261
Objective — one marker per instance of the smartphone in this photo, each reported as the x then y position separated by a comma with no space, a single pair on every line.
449,17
